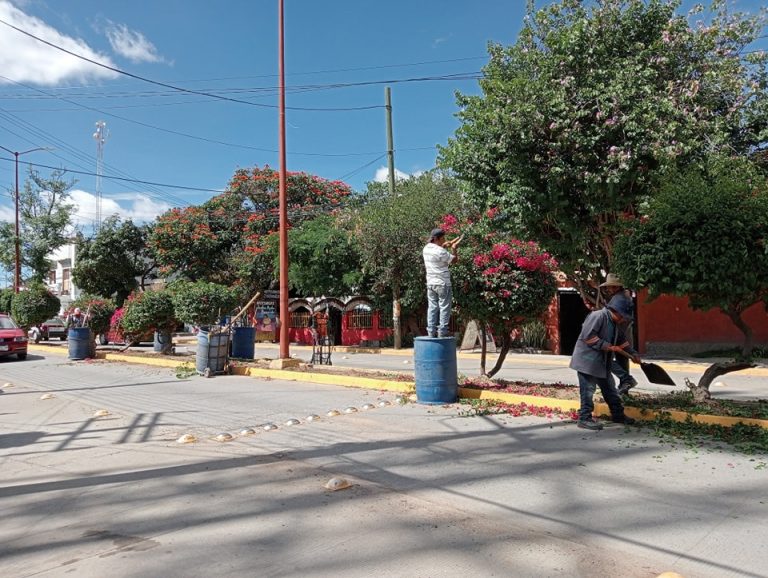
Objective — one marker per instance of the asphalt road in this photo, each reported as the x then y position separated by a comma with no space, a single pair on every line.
433,493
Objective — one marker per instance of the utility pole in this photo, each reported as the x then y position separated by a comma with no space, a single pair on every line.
100,136
17,275
285,315
390,140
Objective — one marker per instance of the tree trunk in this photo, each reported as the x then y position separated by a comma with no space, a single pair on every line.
396,329
506,344
483,348
166,342
735,316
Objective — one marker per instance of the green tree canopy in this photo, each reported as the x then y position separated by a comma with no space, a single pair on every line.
201,303
392,231
323,258
705,236
34,305
45,222
110,263
150,311
577,120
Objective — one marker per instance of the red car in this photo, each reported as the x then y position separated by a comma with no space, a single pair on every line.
13,339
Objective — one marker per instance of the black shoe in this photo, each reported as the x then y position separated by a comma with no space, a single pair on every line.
431,335
589,424
624,388
625,419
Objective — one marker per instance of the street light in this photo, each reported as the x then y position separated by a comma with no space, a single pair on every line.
16,154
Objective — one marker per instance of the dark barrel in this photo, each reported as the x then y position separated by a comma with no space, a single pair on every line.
211,351
243,339
434,362
79,342
161,339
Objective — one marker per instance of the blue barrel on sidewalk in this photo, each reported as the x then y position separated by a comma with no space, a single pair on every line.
434,362
212,350
243,342
79,342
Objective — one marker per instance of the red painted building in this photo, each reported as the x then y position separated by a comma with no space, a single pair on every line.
350,322
664,325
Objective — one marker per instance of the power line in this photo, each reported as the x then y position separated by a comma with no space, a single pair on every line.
171,86
116,178
357,170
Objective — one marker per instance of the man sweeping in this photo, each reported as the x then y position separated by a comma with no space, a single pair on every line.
601,336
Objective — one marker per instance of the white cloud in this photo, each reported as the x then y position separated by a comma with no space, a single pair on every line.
382,175
138,207
25,59
131,43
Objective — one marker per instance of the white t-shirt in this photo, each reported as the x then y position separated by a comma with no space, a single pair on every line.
436,261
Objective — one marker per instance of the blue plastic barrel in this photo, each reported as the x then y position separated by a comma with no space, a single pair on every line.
243,339
434,362
79,342
211,351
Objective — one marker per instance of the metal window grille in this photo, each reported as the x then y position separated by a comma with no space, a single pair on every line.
385,320
300,319
361,319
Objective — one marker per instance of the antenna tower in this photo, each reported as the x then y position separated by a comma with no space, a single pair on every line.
100,136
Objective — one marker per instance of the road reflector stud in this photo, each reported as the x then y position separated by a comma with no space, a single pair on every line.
224,437
269,427
720,384
333,413
292,421
313,417
8,384
669,575
186,439
400,399
247,431
406,361
384,403
336,484
47,396
101,413
350,409
368,406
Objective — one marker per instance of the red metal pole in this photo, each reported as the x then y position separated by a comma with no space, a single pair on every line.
284,313
17,277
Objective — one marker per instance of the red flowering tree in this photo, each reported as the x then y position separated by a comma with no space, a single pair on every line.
499,280
224,239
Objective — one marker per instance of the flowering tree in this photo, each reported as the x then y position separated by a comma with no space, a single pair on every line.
499,280
224,239
579,118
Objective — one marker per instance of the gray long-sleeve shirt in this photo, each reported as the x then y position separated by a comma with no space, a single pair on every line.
590,355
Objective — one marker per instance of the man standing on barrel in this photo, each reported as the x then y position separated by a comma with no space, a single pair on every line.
439,293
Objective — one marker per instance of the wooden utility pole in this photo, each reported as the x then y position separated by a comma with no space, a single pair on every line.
390,141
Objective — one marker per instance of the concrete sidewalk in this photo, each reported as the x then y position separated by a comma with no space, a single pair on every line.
434,493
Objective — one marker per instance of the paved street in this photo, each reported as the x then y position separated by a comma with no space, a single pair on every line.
433,493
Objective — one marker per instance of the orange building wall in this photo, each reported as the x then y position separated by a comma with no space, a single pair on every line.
669,320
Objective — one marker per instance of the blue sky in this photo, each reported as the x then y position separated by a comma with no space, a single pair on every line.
231,47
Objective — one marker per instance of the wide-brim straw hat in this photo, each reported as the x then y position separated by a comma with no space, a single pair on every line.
612,280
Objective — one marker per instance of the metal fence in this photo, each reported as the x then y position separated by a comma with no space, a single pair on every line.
300,319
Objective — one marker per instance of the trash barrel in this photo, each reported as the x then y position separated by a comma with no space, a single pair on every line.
211,351
243,346
434,362
79,342
161,340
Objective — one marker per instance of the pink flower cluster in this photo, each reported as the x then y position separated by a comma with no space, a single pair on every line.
525,256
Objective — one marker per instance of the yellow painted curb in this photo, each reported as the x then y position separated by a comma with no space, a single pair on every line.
156,361
535,400
327,378
48,349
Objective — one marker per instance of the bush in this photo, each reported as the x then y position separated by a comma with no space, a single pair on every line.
99,311
533,334
148,311
201,303
34,305
6,297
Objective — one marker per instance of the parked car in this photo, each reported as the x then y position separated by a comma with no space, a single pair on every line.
13,340
54,328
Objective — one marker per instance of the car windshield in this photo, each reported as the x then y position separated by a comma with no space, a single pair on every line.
7,323
54,321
